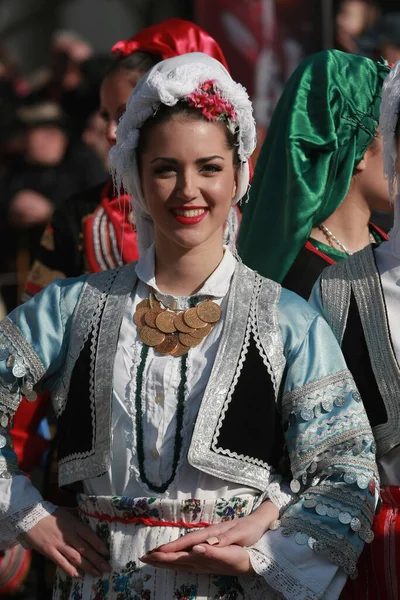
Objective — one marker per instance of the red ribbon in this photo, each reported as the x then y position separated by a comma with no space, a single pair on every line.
144,521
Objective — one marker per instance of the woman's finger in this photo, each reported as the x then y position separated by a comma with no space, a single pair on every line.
91,538
170,557
197,537
63,563
90,556
74,557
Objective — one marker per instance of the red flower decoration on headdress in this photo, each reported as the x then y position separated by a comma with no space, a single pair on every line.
213,106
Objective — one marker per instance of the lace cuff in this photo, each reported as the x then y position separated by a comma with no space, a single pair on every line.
22,521
285,584
289,571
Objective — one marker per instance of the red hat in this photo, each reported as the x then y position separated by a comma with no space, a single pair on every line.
172,37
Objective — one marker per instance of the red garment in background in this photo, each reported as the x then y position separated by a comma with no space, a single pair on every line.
379,565
172,37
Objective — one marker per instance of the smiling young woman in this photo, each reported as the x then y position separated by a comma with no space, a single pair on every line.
184,382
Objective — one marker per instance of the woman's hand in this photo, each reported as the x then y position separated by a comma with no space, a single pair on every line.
218,549
231,560
69,543
240,532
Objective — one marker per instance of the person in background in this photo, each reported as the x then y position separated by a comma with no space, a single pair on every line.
319,175
67,53
94,230
360,299
51,168
382,39
352,19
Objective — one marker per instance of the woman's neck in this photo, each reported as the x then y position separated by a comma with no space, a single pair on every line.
181,271
349,224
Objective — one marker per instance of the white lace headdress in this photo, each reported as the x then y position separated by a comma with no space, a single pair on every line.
390,114
166,83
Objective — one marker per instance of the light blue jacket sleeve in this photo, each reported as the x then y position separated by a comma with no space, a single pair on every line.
331,453
33,344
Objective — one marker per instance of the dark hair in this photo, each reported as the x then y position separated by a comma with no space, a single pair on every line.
181,108
137,62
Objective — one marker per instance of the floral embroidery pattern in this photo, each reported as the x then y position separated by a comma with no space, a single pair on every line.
228,588
68,588
234,508
136,507
100,589
186,592
103,532
191,507
129,588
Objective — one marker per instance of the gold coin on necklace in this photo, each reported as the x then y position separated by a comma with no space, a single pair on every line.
181,325
192,319
188,340
200,334
165,322
143,304
209,311
180,350
151,316
168,345
139,314
151,336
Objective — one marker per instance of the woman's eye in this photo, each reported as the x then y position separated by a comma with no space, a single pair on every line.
211,168
105,116
166,169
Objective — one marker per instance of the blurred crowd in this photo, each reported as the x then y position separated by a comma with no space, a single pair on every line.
52,145
53,139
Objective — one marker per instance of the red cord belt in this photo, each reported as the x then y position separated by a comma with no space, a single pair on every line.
144,521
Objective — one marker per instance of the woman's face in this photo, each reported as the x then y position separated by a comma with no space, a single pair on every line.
188,181
114,94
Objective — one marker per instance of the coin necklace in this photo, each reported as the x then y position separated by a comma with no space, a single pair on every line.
180,411
172,331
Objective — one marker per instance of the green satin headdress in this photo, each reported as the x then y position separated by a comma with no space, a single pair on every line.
325,120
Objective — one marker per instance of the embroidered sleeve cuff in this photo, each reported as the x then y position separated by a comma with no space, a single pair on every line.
22,521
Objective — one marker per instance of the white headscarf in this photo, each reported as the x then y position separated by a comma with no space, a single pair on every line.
390,114
166,83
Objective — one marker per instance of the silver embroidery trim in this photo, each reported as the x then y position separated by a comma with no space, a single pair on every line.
267,334
337,547
336,299
80,466
23,349
330,386
226,363
243,354
81,326
366,285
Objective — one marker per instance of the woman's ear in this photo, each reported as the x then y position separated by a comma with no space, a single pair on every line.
362,165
